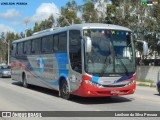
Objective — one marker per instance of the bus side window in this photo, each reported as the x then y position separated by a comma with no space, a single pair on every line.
36,46
62,42
55,45
47,44
75,50
14,50
27,47
20,48
32,47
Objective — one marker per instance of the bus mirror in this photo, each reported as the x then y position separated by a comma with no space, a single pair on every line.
145,46
88,44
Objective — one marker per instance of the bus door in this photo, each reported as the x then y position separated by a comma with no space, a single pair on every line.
75,57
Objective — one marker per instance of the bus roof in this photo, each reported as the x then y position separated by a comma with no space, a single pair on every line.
75,26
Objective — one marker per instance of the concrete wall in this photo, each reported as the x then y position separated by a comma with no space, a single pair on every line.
148,73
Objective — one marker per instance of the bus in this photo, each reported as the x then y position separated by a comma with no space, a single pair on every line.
87,60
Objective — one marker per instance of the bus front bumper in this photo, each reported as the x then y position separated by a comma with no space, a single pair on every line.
86,90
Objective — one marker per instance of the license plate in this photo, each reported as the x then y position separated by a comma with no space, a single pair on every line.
115,92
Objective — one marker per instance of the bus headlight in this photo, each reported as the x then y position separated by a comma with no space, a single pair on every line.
93,84
130,83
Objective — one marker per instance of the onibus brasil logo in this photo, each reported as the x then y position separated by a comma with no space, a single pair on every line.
40,64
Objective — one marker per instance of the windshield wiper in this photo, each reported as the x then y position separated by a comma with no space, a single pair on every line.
125,68
104,67
105,61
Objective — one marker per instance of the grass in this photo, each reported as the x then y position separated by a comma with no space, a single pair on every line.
150,83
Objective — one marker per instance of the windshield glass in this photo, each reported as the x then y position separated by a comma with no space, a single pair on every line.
112,52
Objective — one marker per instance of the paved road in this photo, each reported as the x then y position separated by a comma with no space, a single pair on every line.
13,97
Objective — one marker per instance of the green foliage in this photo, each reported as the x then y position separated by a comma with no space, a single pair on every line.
117,2
144,80
89,13
45,24
36,27
144,21
69,14
29,33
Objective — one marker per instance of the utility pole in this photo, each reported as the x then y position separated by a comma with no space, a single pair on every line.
26,26
8,44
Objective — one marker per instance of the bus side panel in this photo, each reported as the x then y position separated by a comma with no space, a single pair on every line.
45,69
41,70
17,68
63,66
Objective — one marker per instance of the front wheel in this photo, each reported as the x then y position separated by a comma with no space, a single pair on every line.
64,90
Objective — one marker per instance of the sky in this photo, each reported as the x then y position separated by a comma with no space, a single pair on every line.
14,15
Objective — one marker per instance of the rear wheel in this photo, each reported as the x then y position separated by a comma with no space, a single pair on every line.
64,90
25,84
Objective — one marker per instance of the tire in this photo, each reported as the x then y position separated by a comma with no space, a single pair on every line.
64,90
24,82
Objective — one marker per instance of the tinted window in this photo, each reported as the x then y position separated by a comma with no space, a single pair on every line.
14,49
47,44
75,50
20,48
27,47
56,43
36,46
63,42
60,42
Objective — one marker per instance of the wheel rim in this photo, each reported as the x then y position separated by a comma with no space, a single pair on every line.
65,90
24,82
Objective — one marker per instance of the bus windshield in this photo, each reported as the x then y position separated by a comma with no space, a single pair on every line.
112,52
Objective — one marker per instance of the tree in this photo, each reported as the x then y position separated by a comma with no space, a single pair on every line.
2,48
29,32
156,15
36,27
45,24
117,2
69,14
89,13
10,36
111,14
22,35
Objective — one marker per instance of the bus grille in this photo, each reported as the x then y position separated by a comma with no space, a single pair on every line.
122,85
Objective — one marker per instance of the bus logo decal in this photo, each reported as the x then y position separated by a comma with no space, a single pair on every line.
40,64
